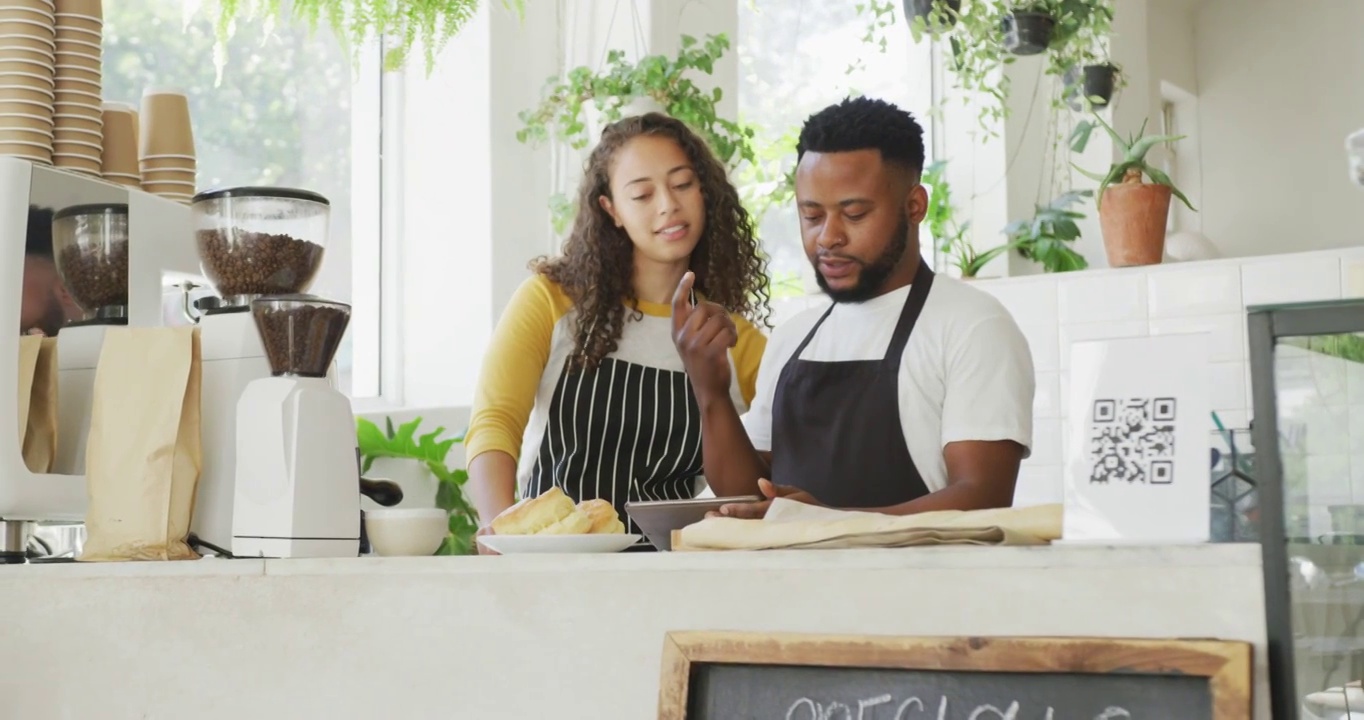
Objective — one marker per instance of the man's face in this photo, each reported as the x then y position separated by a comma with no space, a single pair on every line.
44,304
859,220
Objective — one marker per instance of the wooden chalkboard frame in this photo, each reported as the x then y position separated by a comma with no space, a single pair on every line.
1226,664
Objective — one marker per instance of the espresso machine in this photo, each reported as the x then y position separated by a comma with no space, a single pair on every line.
251,242
127,246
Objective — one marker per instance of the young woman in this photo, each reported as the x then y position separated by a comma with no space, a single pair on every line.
582,387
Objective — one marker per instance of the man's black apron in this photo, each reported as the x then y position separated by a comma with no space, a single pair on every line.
836,430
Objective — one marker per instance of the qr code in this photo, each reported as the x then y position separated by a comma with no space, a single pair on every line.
1133,441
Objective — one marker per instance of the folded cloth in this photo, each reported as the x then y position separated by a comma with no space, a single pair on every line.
794,525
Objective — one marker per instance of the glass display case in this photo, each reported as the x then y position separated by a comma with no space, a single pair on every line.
1307,379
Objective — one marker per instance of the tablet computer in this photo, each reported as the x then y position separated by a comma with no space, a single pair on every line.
657,519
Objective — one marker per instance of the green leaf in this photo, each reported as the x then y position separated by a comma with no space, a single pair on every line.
1079,138
1160,177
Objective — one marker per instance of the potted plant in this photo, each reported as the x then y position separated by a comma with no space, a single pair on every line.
950,237
1028,27
976,52
1047,236
1132,213
937,14
417,464
357,22
1091,86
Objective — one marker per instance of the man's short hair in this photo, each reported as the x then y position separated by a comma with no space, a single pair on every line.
864,123
39,239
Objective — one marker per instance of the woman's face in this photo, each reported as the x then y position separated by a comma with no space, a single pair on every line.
656,198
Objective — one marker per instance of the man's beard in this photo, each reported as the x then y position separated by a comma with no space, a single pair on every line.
872,275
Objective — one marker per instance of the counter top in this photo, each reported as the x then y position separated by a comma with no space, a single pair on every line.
946,557
572,637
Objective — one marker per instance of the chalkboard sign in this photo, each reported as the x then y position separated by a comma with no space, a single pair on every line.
741,676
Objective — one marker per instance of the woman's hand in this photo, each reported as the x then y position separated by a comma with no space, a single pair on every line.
482,550
758,510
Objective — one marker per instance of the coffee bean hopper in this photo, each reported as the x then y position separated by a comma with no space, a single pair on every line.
252,242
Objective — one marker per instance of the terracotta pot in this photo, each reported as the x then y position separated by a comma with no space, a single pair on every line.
1132,218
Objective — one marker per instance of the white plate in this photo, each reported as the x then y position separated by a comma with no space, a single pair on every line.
558,544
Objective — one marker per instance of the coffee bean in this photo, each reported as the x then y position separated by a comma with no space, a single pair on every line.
239,262
96,274
300,339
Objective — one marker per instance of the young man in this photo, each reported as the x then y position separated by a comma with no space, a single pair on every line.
45,305
910,392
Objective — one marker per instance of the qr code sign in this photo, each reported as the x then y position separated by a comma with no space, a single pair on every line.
1133,441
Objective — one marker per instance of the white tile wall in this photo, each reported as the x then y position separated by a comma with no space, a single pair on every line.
1057,310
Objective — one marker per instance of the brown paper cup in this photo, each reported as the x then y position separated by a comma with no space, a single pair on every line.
78,72
85,45
166,128
23,68
64,134
28,41
12,12
15,93
84,88
94,8
79,58
27,78
79,162
44,5
26,121
35,28
8,52
176,162
170,177
27,153
26,107
68,113
119,138
126,182
78,20
38,138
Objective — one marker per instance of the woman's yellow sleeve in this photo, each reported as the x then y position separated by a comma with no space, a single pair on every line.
512,368
748,355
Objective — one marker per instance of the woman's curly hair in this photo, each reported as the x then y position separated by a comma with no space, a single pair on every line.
596,267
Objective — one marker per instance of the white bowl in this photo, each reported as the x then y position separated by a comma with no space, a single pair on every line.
406,531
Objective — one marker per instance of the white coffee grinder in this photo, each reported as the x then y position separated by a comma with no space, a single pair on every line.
252,242
298,483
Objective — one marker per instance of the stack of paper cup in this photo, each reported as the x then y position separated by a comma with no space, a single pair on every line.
78,140
119,162
166,149
27,42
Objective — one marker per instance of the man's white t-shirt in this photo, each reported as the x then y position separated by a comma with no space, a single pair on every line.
967,372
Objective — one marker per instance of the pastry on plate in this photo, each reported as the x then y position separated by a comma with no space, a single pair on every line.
534,515
605,521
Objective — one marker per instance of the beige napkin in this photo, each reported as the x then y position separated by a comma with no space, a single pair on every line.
793,525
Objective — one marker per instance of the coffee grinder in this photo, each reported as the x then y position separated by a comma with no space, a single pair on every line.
252,242
298,483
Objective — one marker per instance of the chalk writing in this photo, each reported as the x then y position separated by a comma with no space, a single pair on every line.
867,709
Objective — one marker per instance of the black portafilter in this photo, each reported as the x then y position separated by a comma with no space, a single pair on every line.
384,492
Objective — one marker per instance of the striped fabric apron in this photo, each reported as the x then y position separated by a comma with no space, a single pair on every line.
621,432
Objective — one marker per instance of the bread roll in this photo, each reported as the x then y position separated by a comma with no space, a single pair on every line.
605,521
529,517
576,523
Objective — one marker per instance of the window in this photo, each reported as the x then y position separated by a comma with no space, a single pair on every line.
288,111
797,56
1169,125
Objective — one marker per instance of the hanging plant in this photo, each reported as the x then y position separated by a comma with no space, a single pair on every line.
1028,28
573,107
400,23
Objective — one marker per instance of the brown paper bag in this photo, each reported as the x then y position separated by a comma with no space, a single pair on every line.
40,439
143,458
29,348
